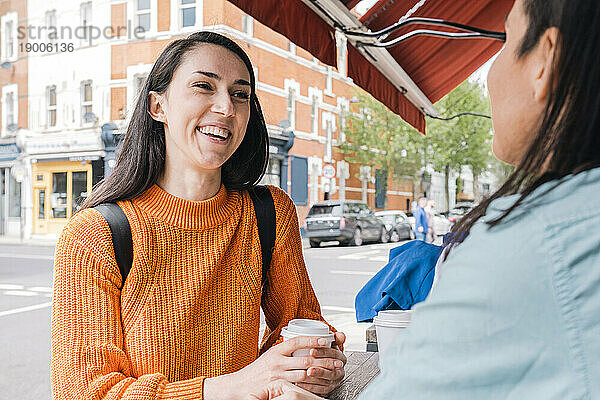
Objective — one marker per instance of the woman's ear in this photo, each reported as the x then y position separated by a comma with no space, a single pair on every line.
547,55
155,107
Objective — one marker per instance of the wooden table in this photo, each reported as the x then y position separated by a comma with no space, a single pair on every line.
360,369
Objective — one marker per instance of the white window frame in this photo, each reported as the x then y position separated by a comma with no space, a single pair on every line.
247,24
9,90
292,90
51,23
132,10
84,8
329,82
344,107
50,108
315,97
183,7
134,72
84,103
327,118
177,16
342,53
13,19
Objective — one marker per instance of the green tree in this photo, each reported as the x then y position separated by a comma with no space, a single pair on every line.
379,138
463,141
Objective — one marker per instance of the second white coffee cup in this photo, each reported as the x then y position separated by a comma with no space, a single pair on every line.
306,327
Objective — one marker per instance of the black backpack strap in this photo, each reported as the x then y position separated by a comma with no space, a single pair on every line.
121,236
264,208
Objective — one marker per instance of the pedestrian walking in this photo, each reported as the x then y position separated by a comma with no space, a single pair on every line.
430,212
421,223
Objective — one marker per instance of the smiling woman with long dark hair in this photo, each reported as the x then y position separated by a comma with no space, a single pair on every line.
185,323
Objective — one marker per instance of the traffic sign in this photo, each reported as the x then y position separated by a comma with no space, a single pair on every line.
328,171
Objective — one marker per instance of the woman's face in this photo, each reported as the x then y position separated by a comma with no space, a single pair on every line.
206,108
513,84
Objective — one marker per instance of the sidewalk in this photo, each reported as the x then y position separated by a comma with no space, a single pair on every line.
38,240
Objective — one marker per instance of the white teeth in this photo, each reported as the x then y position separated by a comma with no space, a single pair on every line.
214,131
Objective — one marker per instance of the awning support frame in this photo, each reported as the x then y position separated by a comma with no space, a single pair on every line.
470,32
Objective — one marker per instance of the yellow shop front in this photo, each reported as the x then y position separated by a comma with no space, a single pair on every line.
59,188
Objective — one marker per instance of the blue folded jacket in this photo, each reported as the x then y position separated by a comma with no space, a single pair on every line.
405,281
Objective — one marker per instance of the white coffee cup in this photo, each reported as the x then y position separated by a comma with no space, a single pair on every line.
389,324
306,327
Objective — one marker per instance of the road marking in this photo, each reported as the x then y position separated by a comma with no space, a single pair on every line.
25,309
26,256
358,256
341,272
40,289
25,293
336,308
11,287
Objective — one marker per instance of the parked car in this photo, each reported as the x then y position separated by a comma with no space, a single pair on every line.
349,222
396,225
441,224
459,210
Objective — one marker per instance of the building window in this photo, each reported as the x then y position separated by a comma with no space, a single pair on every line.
10,109
51,105
10,39
78,190
138,83
291,107
41,204
342,53
85,13
314,114
58,198
51,30
247,24
187,13
8,36
329,82
86,101
143,14
273,173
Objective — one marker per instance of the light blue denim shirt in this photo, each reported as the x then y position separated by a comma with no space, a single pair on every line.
516,312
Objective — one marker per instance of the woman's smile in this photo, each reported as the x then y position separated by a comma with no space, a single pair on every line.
214,134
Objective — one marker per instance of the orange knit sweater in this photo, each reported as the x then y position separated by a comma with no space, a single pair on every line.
190,306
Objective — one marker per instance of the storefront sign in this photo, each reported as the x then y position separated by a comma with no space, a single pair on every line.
63,144
9,152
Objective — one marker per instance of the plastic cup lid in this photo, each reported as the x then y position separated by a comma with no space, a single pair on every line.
394,315
306,327
309,327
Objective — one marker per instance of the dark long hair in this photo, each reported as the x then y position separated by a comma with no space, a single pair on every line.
568,138
141,158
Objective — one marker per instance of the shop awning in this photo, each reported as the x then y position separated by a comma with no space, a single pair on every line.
409,76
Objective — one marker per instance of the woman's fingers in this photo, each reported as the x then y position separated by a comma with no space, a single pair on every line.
325,374
308,362
317,389
328,352
340,338
287,347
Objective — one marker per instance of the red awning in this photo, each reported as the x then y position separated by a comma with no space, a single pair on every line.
408,77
